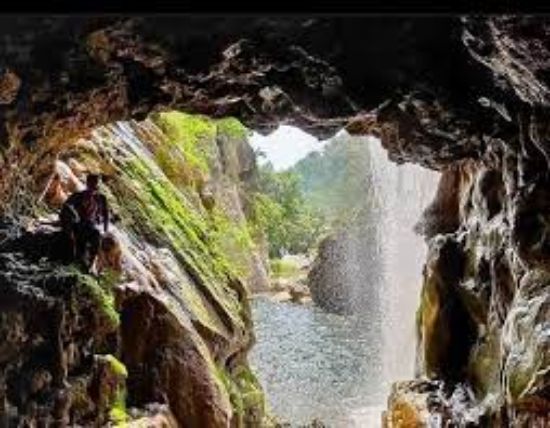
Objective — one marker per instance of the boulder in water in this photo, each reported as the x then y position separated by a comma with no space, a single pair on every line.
346,272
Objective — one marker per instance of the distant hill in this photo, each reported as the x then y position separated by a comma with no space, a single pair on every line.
337,181
322,193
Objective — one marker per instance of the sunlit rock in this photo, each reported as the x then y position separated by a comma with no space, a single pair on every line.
164,298
423,403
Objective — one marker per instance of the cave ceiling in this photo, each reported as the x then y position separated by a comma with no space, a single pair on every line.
436,89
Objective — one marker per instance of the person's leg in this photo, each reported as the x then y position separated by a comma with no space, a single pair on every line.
79,241
66,248
93,240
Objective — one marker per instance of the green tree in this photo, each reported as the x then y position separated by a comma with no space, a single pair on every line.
282,212
338,181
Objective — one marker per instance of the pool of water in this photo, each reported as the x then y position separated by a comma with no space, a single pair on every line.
314,364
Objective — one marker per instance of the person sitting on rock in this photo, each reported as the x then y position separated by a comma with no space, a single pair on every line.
80,215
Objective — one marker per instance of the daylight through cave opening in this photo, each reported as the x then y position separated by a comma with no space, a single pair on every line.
362,268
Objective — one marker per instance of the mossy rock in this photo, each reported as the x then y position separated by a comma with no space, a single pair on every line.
485,363
110,384
246,395
446,328
99,291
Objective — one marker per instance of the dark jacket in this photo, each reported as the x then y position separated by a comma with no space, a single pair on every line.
85,207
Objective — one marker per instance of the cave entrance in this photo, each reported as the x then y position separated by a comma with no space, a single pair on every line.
295,214
345,237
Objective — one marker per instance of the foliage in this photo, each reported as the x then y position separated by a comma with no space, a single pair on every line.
281,211
324,191
283,269
338,181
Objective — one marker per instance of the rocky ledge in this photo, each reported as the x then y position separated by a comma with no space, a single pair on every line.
159,333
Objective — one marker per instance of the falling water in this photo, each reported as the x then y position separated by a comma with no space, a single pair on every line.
403,191
339,368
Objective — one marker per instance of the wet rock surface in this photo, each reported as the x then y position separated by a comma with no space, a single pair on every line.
346,273
158,334
474,326
470,95
424,402
53,327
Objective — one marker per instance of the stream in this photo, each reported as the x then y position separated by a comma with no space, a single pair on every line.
339,369
313,364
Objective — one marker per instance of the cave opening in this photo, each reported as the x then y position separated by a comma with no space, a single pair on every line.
320,232
337,326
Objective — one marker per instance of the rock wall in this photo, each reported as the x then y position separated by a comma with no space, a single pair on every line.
347,272
485,305
163,331
483,351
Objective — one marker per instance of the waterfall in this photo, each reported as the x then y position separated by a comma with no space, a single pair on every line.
402,193
339,367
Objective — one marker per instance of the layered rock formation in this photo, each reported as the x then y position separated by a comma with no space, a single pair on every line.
162,333
485,304
466,96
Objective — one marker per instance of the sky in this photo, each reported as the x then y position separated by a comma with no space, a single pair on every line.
285,146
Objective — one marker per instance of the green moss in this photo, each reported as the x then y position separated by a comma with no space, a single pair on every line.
232,127
158,200
249,386
171,162
158,210
117,411
99,291
189,133
171,215
117,366
234,395
154,192
234,241
193,135
245,394
118,414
